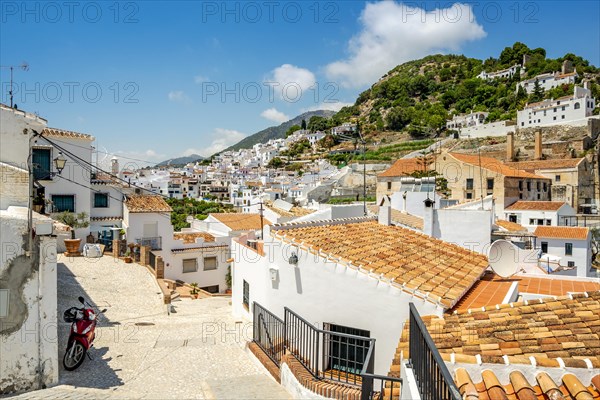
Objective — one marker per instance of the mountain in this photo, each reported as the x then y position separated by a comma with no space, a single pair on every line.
418,97
181,160
276,132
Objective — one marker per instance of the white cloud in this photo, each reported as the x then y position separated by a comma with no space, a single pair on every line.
393,33
272,114
290,82
178,96
221,139
200,78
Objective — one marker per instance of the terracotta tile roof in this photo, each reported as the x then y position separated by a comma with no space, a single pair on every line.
562,232
294,211
190,237
401,218
546,164
434,269
510,226
522,205
488,386
492,289
406,166
138,203
241,222
561,330
68,134
494,165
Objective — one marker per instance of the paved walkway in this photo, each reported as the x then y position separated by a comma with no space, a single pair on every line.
198,352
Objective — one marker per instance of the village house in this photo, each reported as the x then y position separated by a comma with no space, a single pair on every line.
566,246
568,110
391,180
304,265
147,221
503,73
471,177
548,81
466,120
572,180
531,214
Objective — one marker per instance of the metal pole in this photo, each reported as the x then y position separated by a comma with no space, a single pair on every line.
30,201
262,237
11,87
364,177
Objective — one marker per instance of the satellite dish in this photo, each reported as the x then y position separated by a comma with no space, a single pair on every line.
503,258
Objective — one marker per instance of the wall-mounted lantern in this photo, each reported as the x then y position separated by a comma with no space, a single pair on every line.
293,259
59,163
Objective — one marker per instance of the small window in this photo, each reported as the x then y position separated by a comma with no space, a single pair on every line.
211,289
531,221
563,117
568,249
63,202
540,221
544,247
100,200
490,183
571,264
469,184
210,263
190,265
469,196
246,295
577,106
528,186
556,178
389,186
548,222
512,218
545,187
520,185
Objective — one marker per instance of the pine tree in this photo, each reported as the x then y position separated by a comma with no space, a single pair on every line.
538,92
303,125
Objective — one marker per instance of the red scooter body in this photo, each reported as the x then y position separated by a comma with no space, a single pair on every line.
83,331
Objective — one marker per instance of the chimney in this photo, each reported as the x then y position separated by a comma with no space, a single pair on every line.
114,166
385,211
428,217
538,145
510,146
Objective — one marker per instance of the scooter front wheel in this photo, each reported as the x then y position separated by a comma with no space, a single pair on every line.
74,356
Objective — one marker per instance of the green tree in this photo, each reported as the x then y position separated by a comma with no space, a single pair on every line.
276,162
538,92
303,125
317,123
292,129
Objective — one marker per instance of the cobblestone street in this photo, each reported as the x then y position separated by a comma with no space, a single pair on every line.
197,352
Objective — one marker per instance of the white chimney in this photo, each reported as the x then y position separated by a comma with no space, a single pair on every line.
114,166
385,211
428,217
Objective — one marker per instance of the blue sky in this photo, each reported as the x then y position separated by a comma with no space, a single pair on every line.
153,80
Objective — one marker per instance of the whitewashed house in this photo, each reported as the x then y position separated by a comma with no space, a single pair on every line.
467,120
548,81
338,274
28,300
566,246
567,110
147,221
199,257
504,73
531,214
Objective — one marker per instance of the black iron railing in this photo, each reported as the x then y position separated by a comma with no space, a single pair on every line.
433,378
152,260
335,356
155,243
268,333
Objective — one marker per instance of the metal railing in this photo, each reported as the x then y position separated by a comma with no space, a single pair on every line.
155,243
433,378
268,333
152,260
335,356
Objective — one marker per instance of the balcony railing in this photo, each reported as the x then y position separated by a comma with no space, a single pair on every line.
155,243
433,378
341,357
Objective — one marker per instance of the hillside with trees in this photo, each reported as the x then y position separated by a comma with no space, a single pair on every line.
418,97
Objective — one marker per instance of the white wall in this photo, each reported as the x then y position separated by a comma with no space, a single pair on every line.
14,186
523,216
470,229
28,335
499,128
14,144
324,292
134,226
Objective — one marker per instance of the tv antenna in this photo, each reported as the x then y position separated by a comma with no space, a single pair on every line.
25,67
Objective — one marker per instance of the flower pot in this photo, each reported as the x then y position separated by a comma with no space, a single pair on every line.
72,246
128,260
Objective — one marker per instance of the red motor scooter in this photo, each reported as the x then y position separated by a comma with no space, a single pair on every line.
83,326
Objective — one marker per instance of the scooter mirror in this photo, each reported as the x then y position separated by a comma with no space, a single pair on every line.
103,311
81,300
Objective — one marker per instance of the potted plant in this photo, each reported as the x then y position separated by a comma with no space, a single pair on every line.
228,279
194,291
73,221
127,258
121,234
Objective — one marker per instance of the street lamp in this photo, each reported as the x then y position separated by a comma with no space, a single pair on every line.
59,163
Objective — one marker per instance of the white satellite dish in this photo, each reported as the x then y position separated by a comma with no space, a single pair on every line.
503,258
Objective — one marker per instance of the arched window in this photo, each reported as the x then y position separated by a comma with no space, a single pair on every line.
577,106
